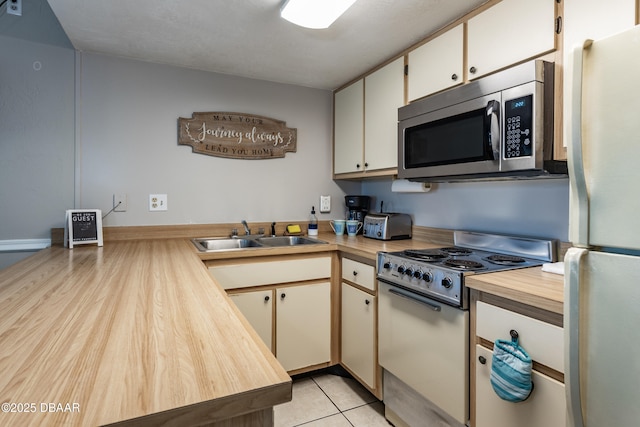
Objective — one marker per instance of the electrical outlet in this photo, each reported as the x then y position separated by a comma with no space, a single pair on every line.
157,202
325,204
14,7
120,202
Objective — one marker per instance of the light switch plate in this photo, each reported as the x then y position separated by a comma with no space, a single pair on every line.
325,204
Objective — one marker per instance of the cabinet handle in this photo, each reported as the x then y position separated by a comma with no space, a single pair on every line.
558,24
357,165
472,70
367,302
454,77
514,334
366,165
482,360
283,295
355,273
266,299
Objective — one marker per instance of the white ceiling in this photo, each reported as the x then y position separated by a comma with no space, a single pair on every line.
248,38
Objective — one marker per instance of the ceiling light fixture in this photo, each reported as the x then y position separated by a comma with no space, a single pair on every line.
316,14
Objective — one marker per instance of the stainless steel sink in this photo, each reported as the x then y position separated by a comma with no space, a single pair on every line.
224,244
288,241
212,244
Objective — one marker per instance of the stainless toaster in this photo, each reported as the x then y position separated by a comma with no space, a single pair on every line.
387,226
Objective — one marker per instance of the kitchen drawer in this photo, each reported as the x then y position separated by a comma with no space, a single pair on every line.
359,273
545,407
243,275
544,342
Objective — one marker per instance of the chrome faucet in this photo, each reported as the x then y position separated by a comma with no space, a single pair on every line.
247,230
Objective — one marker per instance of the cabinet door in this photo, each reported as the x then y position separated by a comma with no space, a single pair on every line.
545,407
358,321
436,65
257,307
303,325
509,32
384,94
349,129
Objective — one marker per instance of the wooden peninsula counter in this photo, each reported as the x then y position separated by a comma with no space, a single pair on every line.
133,333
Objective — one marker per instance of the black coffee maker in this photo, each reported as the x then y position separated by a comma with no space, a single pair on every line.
358,207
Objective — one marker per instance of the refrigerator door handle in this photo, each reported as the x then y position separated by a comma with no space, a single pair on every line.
572,265
579,230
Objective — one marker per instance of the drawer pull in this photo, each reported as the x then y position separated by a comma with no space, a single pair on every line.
482,360
367,302
514,334
266,299
355,273
283,295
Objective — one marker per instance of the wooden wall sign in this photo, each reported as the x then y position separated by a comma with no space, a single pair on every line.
236,135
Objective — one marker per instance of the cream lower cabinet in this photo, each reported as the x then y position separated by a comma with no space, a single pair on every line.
358,333
288,303
359,317
543,341
303,325
257,307
544,408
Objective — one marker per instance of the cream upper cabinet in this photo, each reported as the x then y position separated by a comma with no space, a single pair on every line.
348,154
303,325
509,32
366,121
436,65
383,95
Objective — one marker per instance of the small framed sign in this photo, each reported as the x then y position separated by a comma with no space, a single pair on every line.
82,227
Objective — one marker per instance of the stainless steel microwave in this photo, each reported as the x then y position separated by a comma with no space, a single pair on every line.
499,126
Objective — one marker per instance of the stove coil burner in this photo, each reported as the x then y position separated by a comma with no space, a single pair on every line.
456,251
463,264
505,259
425,255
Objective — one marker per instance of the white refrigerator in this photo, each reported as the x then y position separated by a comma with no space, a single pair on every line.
602,270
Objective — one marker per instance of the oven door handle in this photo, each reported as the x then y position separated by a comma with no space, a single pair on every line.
416,298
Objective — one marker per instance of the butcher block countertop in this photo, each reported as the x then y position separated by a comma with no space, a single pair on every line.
138,333
132,329
530,286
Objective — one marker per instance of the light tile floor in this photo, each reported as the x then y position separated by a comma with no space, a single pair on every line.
326,400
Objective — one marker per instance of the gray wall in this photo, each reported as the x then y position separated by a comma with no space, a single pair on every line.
127,143
538,208
36,139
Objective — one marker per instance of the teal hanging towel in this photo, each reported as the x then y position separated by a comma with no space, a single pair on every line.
511,370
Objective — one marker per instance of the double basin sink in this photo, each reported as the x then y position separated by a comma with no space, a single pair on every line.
233,243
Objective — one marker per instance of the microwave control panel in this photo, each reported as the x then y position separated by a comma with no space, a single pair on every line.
518,116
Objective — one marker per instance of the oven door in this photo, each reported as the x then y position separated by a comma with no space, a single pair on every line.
425,344
461,139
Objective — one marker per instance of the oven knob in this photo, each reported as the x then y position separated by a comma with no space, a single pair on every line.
427,277
447,283
401,269
408,272
386,265
417,274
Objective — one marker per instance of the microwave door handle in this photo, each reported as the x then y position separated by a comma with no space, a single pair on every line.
492,123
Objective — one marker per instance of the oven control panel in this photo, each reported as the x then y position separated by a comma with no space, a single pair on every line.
423,278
